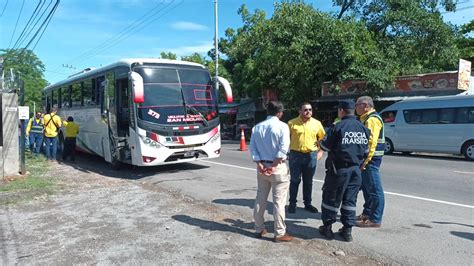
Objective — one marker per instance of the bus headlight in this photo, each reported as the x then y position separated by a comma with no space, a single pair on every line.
150,142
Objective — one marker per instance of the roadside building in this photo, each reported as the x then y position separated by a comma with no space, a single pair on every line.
411,86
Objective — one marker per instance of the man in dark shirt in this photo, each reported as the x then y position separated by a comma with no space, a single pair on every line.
347,147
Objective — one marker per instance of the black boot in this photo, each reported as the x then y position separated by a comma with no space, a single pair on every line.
326,231
346,233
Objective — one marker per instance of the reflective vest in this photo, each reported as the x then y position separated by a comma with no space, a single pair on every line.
380,148
36,127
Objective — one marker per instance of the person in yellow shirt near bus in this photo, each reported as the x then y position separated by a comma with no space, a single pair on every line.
52,124
305,132
34,131
72,129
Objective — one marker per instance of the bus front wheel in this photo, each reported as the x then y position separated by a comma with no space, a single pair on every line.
468,150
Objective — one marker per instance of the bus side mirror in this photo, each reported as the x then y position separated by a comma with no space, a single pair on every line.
137,87
227,88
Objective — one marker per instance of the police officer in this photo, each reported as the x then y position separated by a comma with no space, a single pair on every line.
347,147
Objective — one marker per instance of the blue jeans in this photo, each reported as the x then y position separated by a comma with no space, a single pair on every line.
51,147
36,142
302,165
373,193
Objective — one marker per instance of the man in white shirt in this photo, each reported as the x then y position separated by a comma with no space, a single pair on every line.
268,146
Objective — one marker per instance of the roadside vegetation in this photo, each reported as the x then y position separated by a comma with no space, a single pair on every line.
36,184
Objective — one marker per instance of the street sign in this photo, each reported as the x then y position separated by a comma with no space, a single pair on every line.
23,112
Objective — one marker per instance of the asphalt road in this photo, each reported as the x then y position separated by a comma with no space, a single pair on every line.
428,215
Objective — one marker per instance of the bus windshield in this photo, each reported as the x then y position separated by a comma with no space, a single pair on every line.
176,96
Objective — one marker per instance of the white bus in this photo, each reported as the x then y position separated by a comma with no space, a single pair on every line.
142,111
434,124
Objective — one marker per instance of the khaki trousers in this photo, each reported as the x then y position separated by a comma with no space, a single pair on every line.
279,183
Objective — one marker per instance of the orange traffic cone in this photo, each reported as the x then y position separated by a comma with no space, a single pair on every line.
243,145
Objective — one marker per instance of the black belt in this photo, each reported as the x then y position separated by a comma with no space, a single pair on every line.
344,164
264,161
301,152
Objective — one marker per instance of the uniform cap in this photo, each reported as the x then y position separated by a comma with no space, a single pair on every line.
346,104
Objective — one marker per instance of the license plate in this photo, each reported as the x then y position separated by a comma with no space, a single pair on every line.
189,154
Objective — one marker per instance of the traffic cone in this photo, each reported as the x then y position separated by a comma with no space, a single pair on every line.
243,145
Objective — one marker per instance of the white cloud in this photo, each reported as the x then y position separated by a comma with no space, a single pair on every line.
184,25
202,48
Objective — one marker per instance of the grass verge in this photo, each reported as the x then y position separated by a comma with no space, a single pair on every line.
36,184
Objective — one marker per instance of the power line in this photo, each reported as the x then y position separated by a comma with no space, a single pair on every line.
32,17
4,7
36,23
26,23
47,23
16,24
128,35
118,35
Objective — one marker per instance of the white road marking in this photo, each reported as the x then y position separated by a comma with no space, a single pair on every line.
386,192
467,173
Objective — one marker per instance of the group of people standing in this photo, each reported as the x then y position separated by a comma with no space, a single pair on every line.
355,148
44,128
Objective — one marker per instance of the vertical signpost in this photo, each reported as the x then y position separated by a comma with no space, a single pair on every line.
464,74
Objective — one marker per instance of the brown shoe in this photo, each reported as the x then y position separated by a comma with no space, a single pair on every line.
362,217
367,224
261,234
285,238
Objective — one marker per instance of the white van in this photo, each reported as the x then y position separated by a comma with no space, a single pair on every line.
433,124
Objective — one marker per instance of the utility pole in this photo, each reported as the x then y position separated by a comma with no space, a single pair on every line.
216,48
23,129
1,73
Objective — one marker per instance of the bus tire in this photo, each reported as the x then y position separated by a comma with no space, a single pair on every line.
468,150
388,146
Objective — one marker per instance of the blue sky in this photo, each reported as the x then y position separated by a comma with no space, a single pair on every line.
178,26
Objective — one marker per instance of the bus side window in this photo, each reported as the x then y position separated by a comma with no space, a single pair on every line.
100,85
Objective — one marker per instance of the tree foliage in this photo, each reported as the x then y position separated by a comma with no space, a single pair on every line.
465,41
168,55
28,67
305,48
411,33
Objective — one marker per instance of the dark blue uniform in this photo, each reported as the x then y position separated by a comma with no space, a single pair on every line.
347,144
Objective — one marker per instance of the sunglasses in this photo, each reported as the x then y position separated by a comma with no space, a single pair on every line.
307,110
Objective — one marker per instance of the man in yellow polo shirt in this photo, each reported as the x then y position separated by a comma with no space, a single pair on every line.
305,132
52,124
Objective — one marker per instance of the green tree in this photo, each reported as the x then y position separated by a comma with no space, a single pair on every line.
168,55
465,41
30,69
306,48
195,58
411,33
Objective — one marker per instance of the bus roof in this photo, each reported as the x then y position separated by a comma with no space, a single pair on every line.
123,62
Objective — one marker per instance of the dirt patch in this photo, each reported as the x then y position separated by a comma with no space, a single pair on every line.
98,219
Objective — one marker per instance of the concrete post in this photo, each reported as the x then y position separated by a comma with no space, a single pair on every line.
10,153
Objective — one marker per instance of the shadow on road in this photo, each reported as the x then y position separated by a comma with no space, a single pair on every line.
300,212
246,228
466,235
88,163
468,225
